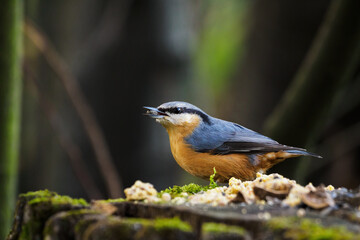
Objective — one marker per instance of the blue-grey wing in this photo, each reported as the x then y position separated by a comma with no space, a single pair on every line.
223,137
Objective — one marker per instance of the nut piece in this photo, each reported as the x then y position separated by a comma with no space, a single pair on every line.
239,198
294,197
238,188
166,197
318,199
213,197
262,193
277,187
140,191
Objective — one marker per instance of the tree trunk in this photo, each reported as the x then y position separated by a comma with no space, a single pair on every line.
10,100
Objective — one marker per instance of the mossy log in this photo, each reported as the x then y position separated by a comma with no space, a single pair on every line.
47,215
35,208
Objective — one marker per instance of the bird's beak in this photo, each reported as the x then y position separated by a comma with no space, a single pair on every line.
154,112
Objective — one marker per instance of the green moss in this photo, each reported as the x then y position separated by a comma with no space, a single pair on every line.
43,204
222,228
161,223
36,194
117,200
176,191
58,199
46,195
83,211
27,230
142,221
191,188
171,223
298,228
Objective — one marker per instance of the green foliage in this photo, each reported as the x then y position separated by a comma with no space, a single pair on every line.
219,45
297,228
191,188
212,183
222,228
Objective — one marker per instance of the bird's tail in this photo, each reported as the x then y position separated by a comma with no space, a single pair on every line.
303,153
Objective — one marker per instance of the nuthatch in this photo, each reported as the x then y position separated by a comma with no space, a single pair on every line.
200,142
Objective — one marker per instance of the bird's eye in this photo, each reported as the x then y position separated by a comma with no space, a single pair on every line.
177,110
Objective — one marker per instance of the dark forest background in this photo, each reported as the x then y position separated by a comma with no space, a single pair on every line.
288,69
74,75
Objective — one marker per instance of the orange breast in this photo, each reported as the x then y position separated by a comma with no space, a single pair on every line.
202,164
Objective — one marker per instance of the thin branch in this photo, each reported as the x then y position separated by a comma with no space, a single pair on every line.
72,150
87,116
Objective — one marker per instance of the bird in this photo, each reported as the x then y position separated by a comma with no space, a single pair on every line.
199,143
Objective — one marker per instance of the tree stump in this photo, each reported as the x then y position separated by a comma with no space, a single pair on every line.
47,215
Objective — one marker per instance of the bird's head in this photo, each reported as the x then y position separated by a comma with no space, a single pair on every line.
177,114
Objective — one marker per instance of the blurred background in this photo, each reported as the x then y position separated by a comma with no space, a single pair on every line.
288,69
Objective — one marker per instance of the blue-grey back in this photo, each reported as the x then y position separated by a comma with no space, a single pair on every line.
213,135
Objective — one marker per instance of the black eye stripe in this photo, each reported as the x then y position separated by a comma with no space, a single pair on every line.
174,110
179,110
